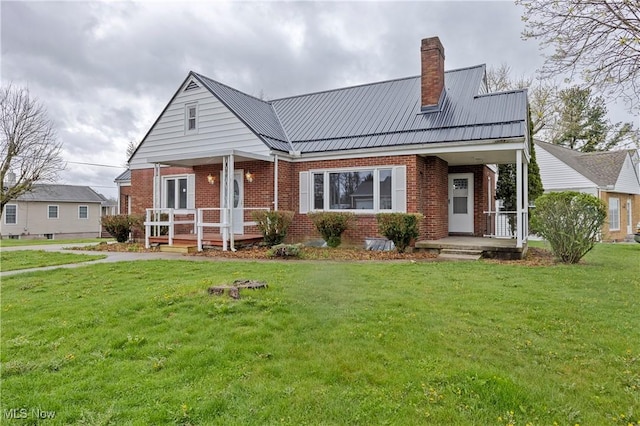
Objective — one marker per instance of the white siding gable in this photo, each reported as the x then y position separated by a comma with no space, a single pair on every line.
217,129
628,179
557,175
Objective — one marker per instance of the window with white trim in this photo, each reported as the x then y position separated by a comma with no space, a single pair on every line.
614,214
52,212
83,212
368,189
179,192
11,214
191,118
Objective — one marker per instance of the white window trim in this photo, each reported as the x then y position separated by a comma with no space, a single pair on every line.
190,190
376,190
5,214
86,207
617,214
187,107
57,211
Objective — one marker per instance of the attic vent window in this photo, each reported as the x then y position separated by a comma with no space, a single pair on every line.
192,85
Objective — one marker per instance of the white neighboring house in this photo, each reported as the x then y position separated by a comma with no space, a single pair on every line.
53,212
611,176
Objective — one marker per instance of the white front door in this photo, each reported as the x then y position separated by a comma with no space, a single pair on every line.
461,203
629,217
237,202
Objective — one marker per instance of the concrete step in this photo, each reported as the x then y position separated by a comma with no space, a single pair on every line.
178,248
460,254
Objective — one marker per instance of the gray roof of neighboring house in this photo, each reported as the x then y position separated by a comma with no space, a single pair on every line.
124,176
380,114
602,168
62,194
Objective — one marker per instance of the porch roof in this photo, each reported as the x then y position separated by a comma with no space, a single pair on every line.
206,157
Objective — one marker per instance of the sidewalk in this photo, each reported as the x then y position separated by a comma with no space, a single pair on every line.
111,256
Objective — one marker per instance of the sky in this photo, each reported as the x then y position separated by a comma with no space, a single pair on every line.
105,70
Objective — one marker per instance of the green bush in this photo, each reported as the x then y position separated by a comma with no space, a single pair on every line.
570,221
400,228
331,225
119,226
273,224
285,250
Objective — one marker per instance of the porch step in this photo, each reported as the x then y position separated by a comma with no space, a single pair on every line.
178,248
460,254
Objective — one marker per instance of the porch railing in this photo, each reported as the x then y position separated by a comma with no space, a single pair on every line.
503,224
210,217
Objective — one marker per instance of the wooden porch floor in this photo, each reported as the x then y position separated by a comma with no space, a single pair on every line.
490,247
208,239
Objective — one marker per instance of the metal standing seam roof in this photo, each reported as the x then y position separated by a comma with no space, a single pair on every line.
124,176
602,168
380,114
62,194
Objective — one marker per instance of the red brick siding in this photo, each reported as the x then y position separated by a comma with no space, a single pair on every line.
125,192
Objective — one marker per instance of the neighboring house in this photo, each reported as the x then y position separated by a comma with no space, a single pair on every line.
53,212
611,176
418,144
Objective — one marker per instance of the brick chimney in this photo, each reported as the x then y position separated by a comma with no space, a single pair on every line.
432,78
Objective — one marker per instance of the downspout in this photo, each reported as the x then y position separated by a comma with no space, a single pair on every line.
275,182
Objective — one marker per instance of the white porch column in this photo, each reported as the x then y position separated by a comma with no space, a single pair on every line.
275,183
224,203
519,187
230,198
525,201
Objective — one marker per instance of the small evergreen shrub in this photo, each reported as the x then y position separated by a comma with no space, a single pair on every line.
401,228
331,225
273,224
285,250
570,221
119,226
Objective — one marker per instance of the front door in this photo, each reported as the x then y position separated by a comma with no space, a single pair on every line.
237,202
461,203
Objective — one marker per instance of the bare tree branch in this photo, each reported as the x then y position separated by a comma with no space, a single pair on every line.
30,149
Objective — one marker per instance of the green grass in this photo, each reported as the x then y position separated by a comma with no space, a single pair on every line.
327,343
26,259
16,243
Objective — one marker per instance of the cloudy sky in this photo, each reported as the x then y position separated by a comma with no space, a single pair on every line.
105,70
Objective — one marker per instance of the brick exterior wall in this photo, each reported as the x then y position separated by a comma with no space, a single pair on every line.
427,192
125,192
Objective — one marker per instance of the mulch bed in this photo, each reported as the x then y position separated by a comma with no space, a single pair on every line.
535,256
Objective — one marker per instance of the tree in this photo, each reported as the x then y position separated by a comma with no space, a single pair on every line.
131,148
598,40
582,123
31,151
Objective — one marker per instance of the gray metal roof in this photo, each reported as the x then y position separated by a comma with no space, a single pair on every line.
602,168
124,176
380,114
62,194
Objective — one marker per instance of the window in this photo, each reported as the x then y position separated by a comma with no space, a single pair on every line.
191,117
52,212
367,189
83,212
178,192
11,214
614,214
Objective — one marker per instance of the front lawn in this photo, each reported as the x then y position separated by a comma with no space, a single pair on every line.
26,259
327,343
6,242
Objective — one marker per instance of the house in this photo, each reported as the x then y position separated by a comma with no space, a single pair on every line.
611,176
425,144
53,212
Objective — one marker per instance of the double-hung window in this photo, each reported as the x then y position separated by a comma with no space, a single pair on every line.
614,214
11,214
52,212
191,118
368,189
83,212
179,192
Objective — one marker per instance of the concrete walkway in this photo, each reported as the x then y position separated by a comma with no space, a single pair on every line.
111,256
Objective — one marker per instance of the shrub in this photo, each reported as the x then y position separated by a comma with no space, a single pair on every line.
400,228
570,221
285,250
273,224
119,226
331,225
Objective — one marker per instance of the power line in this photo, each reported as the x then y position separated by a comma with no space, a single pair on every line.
95,164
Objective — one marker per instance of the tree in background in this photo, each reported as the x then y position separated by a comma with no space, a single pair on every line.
582,123
31,152
597,40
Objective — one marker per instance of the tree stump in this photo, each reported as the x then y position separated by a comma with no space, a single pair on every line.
233,290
